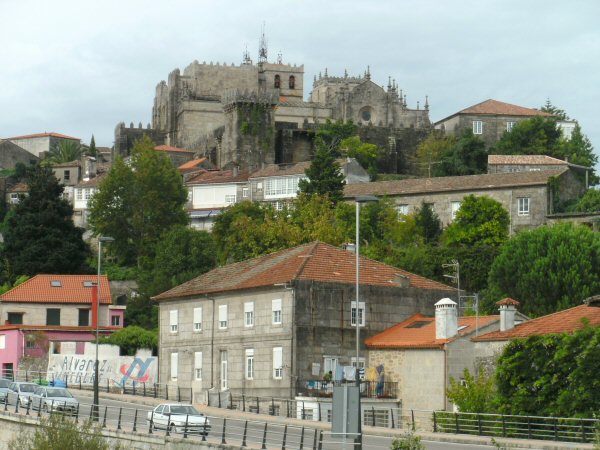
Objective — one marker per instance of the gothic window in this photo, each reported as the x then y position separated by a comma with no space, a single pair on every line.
292,82
277,83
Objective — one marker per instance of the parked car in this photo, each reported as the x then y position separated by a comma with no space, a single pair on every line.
4,383
174,417
51,399
21,390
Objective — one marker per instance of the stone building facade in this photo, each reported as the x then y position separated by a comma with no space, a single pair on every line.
11,154
265,326
253,114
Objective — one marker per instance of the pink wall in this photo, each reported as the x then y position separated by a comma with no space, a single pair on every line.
13,349
116,312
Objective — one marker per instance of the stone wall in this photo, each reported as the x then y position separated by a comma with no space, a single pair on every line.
11,154
125,137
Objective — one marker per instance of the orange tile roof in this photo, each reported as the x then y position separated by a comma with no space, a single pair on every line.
39,290
191,164
526,159
445,184
217,176
566,321
56,328
407,335
315,261
491,106
168,148
51,134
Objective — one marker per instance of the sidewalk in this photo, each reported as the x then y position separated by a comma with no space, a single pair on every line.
466,439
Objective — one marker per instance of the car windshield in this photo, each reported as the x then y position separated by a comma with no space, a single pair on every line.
183,409
27,387
57,392
4,383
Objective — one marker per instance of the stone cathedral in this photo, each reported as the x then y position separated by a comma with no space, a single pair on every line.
252,114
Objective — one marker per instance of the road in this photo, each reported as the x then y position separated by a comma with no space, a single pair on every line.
254,430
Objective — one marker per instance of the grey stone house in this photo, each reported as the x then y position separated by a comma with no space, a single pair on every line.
266,325
488,120
11,154
527,196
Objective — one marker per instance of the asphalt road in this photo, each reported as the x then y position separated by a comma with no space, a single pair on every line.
254,432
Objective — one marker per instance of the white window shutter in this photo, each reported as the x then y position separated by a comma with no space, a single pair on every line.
174,361
222,313
198,315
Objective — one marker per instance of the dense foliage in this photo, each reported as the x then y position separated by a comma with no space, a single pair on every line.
590,202
137,202
430,150
324,176
465,156
65,151
133,338
475,393
39,234
547,269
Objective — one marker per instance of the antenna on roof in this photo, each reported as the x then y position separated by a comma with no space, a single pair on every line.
247,60
262,47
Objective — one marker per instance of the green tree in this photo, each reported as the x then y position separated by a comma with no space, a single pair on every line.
65,151
579,150
366,154
590,202
467,156
556,112
40,236
430,151
137,203
476,394
536,136
92,149
429,223
324,175
331,134
547,269
133,338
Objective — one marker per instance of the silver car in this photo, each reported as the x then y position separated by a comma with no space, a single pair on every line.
21,391
51,399
4,383
176,416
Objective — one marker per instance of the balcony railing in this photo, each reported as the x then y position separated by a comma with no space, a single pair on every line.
370,389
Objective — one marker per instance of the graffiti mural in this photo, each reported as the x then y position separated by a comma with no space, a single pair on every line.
119,370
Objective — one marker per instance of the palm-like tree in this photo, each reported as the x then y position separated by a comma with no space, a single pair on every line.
65,151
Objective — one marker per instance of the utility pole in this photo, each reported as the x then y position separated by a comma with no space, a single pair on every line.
454,276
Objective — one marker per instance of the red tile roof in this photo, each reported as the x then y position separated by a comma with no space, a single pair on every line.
191,164
92,182
168,148
566,321
525,159
72,290
444,184
502,109
51,134
508,301
57,328
217,177
315,261
274,170
418,331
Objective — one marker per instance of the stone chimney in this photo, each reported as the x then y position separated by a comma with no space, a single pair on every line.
446,319
508,308
235,170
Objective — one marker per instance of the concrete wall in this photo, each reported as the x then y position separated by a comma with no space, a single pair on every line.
11,154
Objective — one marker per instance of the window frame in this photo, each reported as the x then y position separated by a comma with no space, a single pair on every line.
197,319
223,317
198,366
521,203
478,127
454,210
49,312
361,313
510,125
115,323
173,321
277,363
80,313
248,314
249,364
174,366
276,311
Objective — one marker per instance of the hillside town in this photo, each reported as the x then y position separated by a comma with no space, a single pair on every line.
268,236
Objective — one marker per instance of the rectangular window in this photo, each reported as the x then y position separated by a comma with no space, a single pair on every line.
53,316
173,321
245,192
249,363
198,366
2,341
281,187
84,318
222,316
361,314
249,314
329,364
454,207
477,127
15,318
361,362
30,342
67,175
88,194
230,198
115,321
79,194
402,210
277,363
276,308
224,370
174,362
198,319
510,125
523,206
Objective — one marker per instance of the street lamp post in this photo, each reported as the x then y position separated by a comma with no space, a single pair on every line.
101,239
359,200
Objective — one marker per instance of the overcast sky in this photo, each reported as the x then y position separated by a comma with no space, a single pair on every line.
79,67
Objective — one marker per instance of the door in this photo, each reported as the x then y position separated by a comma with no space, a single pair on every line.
223,370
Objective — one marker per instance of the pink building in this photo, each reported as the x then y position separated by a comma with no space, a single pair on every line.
47,310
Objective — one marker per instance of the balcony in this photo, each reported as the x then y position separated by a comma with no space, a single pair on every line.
368,389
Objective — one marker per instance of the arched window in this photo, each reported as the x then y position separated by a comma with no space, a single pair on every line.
277,83
292,82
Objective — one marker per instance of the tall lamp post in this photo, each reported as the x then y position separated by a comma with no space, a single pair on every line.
101,239
359,200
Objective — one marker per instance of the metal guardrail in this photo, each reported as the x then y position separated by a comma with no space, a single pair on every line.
368,389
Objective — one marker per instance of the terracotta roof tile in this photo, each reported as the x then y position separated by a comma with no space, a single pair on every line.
299,168
217,176
315,261
56,328
51,134
19,187
168,148
443,184
418,331
502,109
525,159
92,182
191,164
39,289
566,321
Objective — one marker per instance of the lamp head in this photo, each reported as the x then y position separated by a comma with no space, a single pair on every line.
366,199
106,239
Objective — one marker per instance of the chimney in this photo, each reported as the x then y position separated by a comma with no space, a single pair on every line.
236,171
508,308
446,319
